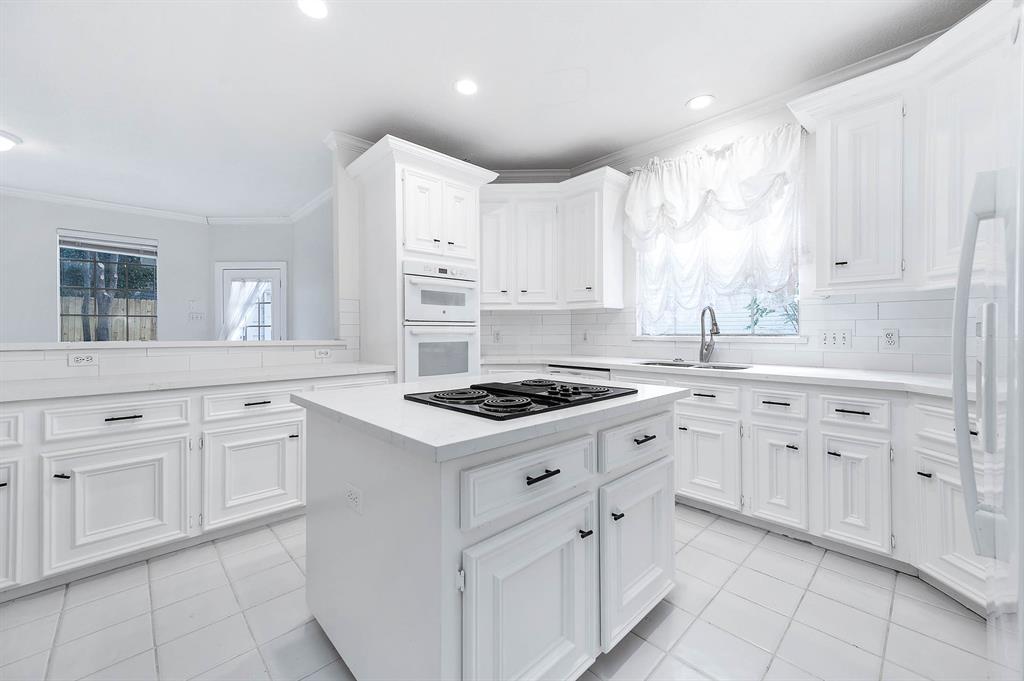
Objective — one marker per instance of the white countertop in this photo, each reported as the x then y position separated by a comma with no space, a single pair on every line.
443,434
939,385
16,391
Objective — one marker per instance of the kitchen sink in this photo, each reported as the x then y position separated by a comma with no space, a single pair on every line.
679,363
730,367
682,364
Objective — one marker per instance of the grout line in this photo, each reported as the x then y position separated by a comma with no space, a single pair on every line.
248,627
792,618
56,628
888,627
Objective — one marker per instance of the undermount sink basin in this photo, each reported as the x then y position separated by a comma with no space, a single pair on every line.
670,364
730,367
695,365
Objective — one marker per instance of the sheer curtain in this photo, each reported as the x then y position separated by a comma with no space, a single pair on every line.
243,295
714,226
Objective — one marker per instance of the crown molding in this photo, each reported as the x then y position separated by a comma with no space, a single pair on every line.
637,153
341,141
249,220
391,149
80,202
531,175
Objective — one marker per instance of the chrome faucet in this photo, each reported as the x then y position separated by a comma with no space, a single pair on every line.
707,342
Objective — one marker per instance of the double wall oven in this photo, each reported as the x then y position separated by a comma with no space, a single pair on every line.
442,320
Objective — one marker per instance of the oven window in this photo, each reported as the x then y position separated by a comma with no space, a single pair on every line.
443,357
442,298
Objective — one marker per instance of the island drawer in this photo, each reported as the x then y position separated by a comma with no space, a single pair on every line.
856,411
769,402
628,443
253,403
708,395
496,489
114,418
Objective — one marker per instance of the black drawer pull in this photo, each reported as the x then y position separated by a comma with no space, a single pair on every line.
585,533
853,411
924,475
451,243
541,478
504,290
62,476
834,454
437,241
618,516
840,263
3,484
643,440
793,447
683,428
704,395
973,432
123,418
522,290
777,404
256,404
589,288
293,436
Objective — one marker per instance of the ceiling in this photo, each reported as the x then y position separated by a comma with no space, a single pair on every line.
220,107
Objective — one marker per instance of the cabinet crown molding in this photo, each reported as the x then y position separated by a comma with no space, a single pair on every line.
391,149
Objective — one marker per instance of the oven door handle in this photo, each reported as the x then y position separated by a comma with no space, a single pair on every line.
443,331
441,283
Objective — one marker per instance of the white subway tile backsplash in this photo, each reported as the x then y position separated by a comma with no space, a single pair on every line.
918,309
829,311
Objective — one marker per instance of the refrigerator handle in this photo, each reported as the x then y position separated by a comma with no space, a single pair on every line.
982,207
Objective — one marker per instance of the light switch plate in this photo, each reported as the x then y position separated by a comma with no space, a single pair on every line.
83,359
836,339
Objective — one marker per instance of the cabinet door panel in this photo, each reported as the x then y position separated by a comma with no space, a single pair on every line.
460,221
636,547
531,601
496,254
535,234
708,459
579,215
780,475
10,522
423,212
251,471
105,501
856,490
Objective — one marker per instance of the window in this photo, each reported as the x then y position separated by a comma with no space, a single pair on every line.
108,287
719,227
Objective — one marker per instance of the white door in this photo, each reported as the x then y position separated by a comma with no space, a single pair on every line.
708,459
780,475
636,547
944,539
10,522
530,610
423,212
249,471
461,219
253,301
496,253
536,239
856,490
861,156
579,215
110,500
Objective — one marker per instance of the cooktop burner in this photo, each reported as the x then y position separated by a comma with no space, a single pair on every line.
502,401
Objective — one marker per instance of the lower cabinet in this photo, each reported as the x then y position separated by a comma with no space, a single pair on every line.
250,471
10,522
109,500
856,491
708,459
530,609
636,547
780,482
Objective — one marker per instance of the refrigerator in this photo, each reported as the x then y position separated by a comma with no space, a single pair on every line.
988,364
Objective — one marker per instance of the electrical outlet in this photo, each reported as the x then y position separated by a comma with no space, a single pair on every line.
322,353
83,359
890,340
354,498
836,339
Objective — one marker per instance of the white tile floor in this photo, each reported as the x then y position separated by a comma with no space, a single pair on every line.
748,605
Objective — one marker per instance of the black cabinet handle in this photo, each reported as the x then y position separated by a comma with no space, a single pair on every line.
840,263
924,475
853,411
585,533
704,395
124,418
540,478
589,288
62,476
683,428
256,404
451,243
973,432
778,404
504,290
293,436
793,447
618,516
643,440
834,454
437,241
522,290
3,484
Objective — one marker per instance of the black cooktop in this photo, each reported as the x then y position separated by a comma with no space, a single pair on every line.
503,401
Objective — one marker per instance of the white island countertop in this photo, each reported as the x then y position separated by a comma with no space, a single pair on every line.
443,434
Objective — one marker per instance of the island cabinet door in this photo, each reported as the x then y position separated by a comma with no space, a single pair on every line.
636,547
249,471
530,610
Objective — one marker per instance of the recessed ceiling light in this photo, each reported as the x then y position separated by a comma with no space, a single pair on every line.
466,87
8,141
316,9
700,102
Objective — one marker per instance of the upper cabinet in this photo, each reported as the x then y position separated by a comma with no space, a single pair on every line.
897,152
553,246
438,216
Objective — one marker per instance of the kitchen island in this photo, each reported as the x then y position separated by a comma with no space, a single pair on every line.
443,545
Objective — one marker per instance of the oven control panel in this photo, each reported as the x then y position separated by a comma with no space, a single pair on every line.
441,270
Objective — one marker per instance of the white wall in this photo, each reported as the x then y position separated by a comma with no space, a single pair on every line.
312,299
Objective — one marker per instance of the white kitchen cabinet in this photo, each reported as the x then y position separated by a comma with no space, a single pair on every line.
856,489
636,547
708,459
536,253
105,501
579,215
780,483
530,608
422,212
460,223
10,522
497,256
252,470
